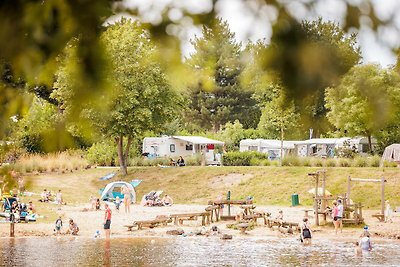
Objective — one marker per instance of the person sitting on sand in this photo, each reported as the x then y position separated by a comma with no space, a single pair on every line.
31,207
98,204
73,227
44,196
172,162
181,161
167,201
306,233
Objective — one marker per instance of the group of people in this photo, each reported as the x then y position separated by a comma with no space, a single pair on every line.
46,196
180,162
73,228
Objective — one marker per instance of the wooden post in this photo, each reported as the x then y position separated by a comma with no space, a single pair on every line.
316,199
383,197
348,190
323,194
12,228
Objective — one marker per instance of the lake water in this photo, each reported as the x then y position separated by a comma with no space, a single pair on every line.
190,251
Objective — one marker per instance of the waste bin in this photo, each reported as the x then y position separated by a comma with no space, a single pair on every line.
295,200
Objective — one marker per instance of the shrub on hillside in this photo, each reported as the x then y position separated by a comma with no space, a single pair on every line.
374,161
344,162
331,162
242,158
360,162
389,164
102,154
317,162
290,160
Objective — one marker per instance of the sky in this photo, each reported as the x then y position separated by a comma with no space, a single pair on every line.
375,46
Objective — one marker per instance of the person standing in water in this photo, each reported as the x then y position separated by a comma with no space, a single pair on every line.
107,220
306,233
127,198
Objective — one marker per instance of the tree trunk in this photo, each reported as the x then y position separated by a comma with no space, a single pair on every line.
120,145
370,143
281,156
127,148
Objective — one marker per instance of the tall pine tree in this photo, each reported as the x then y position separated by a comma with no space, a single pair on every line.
216,96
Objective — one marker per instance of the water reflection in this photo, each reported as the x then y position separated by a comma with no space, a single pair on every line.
188,251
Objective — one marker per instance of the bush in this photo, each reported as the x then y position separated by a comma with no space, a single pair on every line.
374,161
344,162
67,160
242,158
360,162
291,161
389,164
103,154
331,163
317,162
305,161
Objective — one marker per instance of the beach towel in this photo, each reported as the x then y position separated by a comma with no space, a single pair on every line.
108,176
135,182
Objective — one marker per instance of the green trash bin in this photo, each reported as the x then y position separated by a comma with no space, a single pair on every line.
295,200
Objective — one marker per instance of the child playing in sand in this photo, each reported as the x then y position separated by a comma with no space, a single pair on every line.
58,225
117,203
357,249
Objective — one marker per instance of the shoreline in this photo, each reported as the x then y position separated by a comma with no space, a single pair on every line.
91,221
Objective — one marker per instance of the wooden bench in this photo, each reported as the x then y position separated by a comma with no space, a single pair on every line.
380,217
247,209
283,224
256,215
213,209
179,218
149,223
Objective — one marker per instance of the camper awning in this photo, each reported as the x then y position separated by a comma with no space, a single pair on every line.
199,140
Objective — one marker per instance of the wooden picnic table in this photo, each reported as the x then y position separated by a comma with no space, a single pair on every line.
148,223
229,203
213,209
179,218
247,209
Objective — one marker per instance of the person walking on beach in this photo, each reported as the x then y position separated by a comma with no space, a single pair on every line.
340,215
127,198
59,199
335,211
388,212
107,221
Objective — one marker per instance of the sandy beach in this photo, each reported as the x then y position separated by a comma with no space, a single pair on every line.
91,221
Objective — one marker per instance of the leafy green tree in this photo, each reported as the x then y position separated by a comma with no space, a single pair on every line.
216,96
365,101
143,100
308,57
279,119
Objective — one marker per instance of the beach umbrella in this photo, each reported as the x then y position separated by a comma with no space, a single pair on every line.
319,191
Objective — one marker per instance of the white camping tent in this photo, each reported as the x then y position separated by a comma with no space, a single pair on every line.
392,153
112,190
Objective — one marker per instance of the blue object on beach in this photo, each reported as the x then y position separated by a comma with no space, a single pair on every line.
135,182
108,176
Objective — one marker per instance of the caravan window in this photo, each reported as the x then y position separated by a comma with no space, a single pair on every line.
172,147
189,147
253,148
